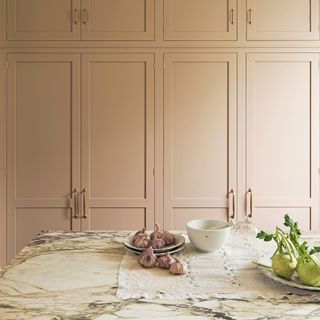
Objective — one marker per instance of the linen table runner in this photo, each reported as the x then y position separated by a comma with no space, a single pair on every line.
228,272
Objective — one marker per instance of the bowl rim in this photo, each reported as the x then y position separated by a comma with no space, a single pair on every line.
228,225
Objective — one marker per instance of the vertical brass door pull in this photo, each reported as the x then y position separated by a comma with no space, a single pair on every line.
75,16
249,203
75,197
84,203
84,16
250,16
231,205
231,19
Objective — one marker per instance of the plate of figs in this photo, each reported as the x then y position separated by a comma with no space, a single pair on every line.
160,240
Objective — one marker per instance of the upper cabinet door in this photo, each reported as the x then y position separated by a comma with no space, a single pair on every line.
283,138
282,19
200,19
200,112
118,19
43,19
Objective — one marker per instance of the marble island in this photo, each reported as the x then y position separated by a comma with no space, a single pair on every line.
74,275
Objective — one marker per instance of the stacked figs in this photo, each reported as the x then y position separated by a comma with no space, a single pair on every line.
158,239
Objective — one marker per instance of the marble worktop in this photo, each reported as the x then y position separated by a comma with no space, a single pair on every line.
73,275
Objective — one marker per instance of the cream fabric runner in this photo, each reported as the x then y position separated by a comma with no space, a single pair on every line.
227,273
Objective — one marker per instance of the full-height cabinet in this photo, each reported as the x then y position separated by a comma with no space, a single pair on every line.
117,141
283,138
281,141
122,113
200,122
73,166
43,144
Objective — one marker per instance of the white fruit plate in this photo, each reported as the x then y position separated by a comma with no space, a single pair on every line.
294,282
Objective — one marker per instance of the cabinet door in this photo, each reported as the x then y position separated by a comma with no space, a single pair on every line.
43,19
118,141
118,19
283,138
199,136
282,19
200,19
43,148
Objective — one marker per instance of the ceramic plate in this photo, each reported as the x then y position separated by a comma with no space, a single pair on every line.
294,282
173,251
180,240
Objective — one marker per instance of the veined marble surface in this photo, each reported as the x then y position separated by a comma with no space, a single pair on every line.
73,275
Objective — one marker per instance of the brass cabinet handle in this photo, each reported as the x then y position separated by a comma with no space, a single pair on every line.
84,16
84,193
231,19
250,16
250,205
232,205
75,196
75,16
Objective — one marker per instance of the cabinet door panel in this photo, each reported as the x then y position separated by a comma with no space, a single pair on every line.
200,19
268,218
43,19
283,19
43,140
118,133
283,133
46,219
199,131
117,218
118,20
182,215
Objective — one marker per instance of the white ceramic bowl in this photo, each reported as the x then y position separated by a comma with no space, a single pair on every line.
208,235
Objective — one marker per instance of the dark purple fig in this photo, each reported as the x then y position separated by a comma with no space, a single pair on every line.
165,261
147,258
